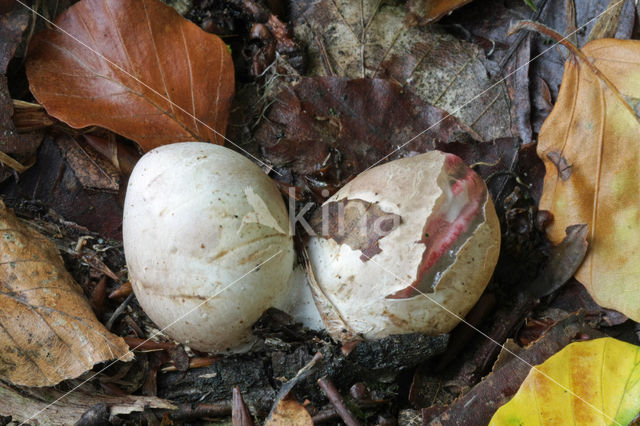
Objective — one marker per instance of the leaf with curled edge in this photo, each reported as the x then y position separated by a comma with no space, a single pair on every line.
135,67
592,382
48,332
593,127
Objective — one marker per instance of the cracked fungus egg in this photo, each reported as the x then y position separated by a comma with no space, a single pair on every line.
207,245
403,246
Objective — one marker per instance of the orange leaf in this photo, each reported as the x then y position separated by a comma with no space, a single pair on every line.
431,10
48,332
590,144
289,412
135,67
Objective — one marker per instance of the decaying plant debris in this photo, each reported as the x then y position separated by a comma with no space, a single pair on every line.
324,90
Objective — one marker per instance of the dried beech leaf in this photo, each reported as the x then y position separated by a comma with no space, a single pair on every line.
20,148
183,76
425,11
24,403
480,403
48,332
289,412
370,38
335,127
12,25
594,129
603,374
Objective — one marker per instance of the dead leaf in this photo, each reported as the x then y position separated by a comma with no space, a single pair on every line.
597,132
607,24
53,181
289,412
426,11
357,223
17,150
602,376
480,403
136,68
92,170
12,25
24,403
330,128
121,154
564,260
489,20
48,332
369,38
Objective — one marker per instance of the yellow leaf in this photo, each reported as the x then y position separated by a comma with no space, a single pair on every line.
587,383
590,144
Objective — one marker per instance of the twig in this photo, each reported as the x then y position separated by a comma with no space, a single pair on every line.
577,53
197,411
10,162
240,415
336,399
118,311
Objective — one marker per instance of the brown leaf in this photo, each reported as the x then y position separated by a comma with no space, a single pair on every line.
138,69
12,25
53,182
92,170
369,38
20,148
334,128
122,155
426,11
607,24
289,412
22,404
357,223
48,332
593,127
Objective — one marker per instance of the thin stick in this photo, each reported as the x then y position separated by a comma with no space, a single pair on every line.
119,312
577,53
336,399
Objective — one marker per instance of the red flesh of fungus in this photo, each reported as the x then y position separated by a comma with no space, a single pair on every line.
453,221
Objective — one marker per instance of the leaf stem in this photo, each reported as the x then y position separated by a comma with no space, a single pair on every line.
573,49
